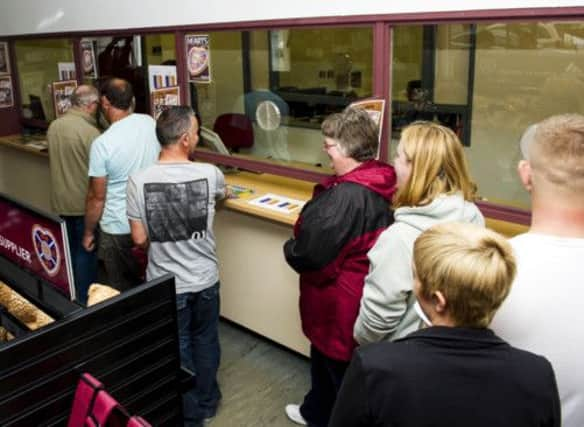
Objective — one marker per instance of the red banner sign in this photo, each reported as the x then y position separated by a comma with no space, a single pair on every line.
37,243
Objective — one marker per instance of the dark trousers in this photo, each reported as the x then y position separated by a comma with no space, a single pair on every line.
122,268
84,263
326,379
198,322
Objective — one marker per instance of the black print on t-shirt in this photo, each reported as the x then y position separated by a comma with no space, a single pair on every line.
176,211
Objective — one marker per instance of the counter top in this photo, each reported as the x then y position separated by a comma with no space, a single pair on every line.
34,144
262,184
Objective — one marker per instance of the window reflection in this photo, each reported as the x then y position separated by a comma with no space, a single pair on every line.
500,76
282,83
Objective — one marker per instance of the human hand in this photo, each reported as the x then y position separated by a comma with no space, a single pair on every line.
88,241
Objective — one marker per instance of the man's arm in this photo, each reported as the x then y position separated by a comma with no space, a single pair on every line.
139,235
93,209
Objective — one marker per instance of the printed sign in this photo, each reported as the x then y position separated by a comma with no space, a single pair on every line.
161,99
198,58
36,243
4,58
6,92
62,92
88,59
161,76
277,203
66,70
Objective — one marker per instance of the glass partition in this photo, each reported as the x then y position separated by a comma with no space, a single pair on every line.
39,63
279,85
488,82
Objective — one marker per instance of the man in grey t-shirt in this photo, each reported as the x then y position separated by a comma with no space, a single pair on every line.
171,206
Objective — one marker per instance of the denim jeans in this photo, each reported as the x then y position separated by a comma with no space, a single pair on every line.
326,378
84,263
198,321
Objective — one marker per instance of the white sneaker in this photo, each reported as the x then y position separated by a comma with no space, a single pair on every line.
293,412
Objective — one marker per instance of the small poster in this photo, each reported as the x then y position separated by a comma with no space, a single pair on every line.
161,99
161,76
66,70
4,58
279,50
277,203
375,108
62,92
88,59
198,58
6,92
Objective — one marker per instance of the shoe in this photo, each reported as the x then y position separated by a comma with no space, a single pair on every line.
293,412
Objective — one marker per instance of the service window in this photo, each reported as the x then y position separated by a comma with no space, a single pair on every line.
40,63
265,92
488,82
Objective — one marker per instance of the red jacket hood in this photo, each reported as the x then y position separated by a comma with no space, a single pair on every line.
373,174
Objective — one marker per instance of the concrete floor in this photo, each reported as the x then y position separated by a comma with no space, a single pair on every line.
257,379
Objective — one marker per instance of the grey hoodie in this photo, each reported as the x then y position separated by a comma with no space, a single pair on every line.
387,310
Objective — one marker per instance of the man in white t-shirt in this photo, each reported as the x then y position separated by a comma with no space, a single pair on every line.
127,146
544,312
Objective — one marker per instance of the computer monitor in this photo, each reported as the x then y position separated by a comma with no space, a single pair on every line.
212,141
36,107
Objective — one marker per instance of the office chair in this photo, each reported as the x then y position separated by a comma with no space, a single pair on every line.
235,130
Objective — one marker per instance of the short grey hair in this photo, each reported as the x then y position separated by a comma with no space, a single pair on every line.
84,96
354,131
172,123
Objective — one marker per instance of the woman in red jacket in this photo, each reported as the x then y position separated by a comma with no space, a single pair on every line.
329,251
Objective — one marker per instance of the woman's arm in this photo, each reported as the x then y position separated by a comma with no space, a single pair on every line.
387,289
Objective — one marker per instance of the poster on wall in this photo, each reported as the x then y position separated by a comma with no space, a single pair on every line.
161,99
66,70
6,92
198,58
62,92
4,59
88,59
375,108
37,243
161,76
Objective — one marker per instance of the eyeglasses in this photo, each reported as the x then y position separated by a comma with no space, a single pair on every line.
327,146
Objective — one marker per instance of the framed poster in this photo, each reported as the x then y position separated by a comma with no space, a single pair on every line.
198,58
4,58
161,99
6,92
88,59
62,92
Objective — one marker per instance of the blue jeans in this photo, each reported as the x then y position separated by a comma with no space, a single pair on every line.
198,321
84,263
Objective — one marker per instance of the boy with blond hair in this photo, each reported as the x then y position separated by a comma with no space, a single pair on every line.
455,372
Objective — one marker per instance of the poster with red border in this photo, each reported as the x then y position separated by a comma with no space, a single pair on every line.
36,242
198,58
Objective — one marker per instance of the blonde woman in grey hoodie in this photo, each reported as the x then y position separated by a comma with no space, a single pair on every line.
434,186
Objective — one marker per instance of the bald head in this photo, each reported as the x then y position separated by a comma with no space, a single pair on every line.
84,96
555,151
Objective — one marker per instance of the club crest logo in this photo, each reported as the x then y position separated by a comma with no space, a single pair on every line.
46,249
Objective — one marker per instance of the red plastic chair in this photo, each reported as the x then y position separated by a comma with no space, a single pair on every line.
235,130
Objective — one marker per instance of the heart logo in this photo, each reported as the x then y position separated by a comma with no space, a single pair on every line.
46,249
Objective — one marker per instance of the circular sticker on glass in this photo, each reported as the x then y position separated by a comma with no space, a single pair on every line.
268,115
46,249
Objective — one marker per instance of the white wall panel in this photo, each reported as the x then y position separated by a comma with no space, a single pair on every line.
34,16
